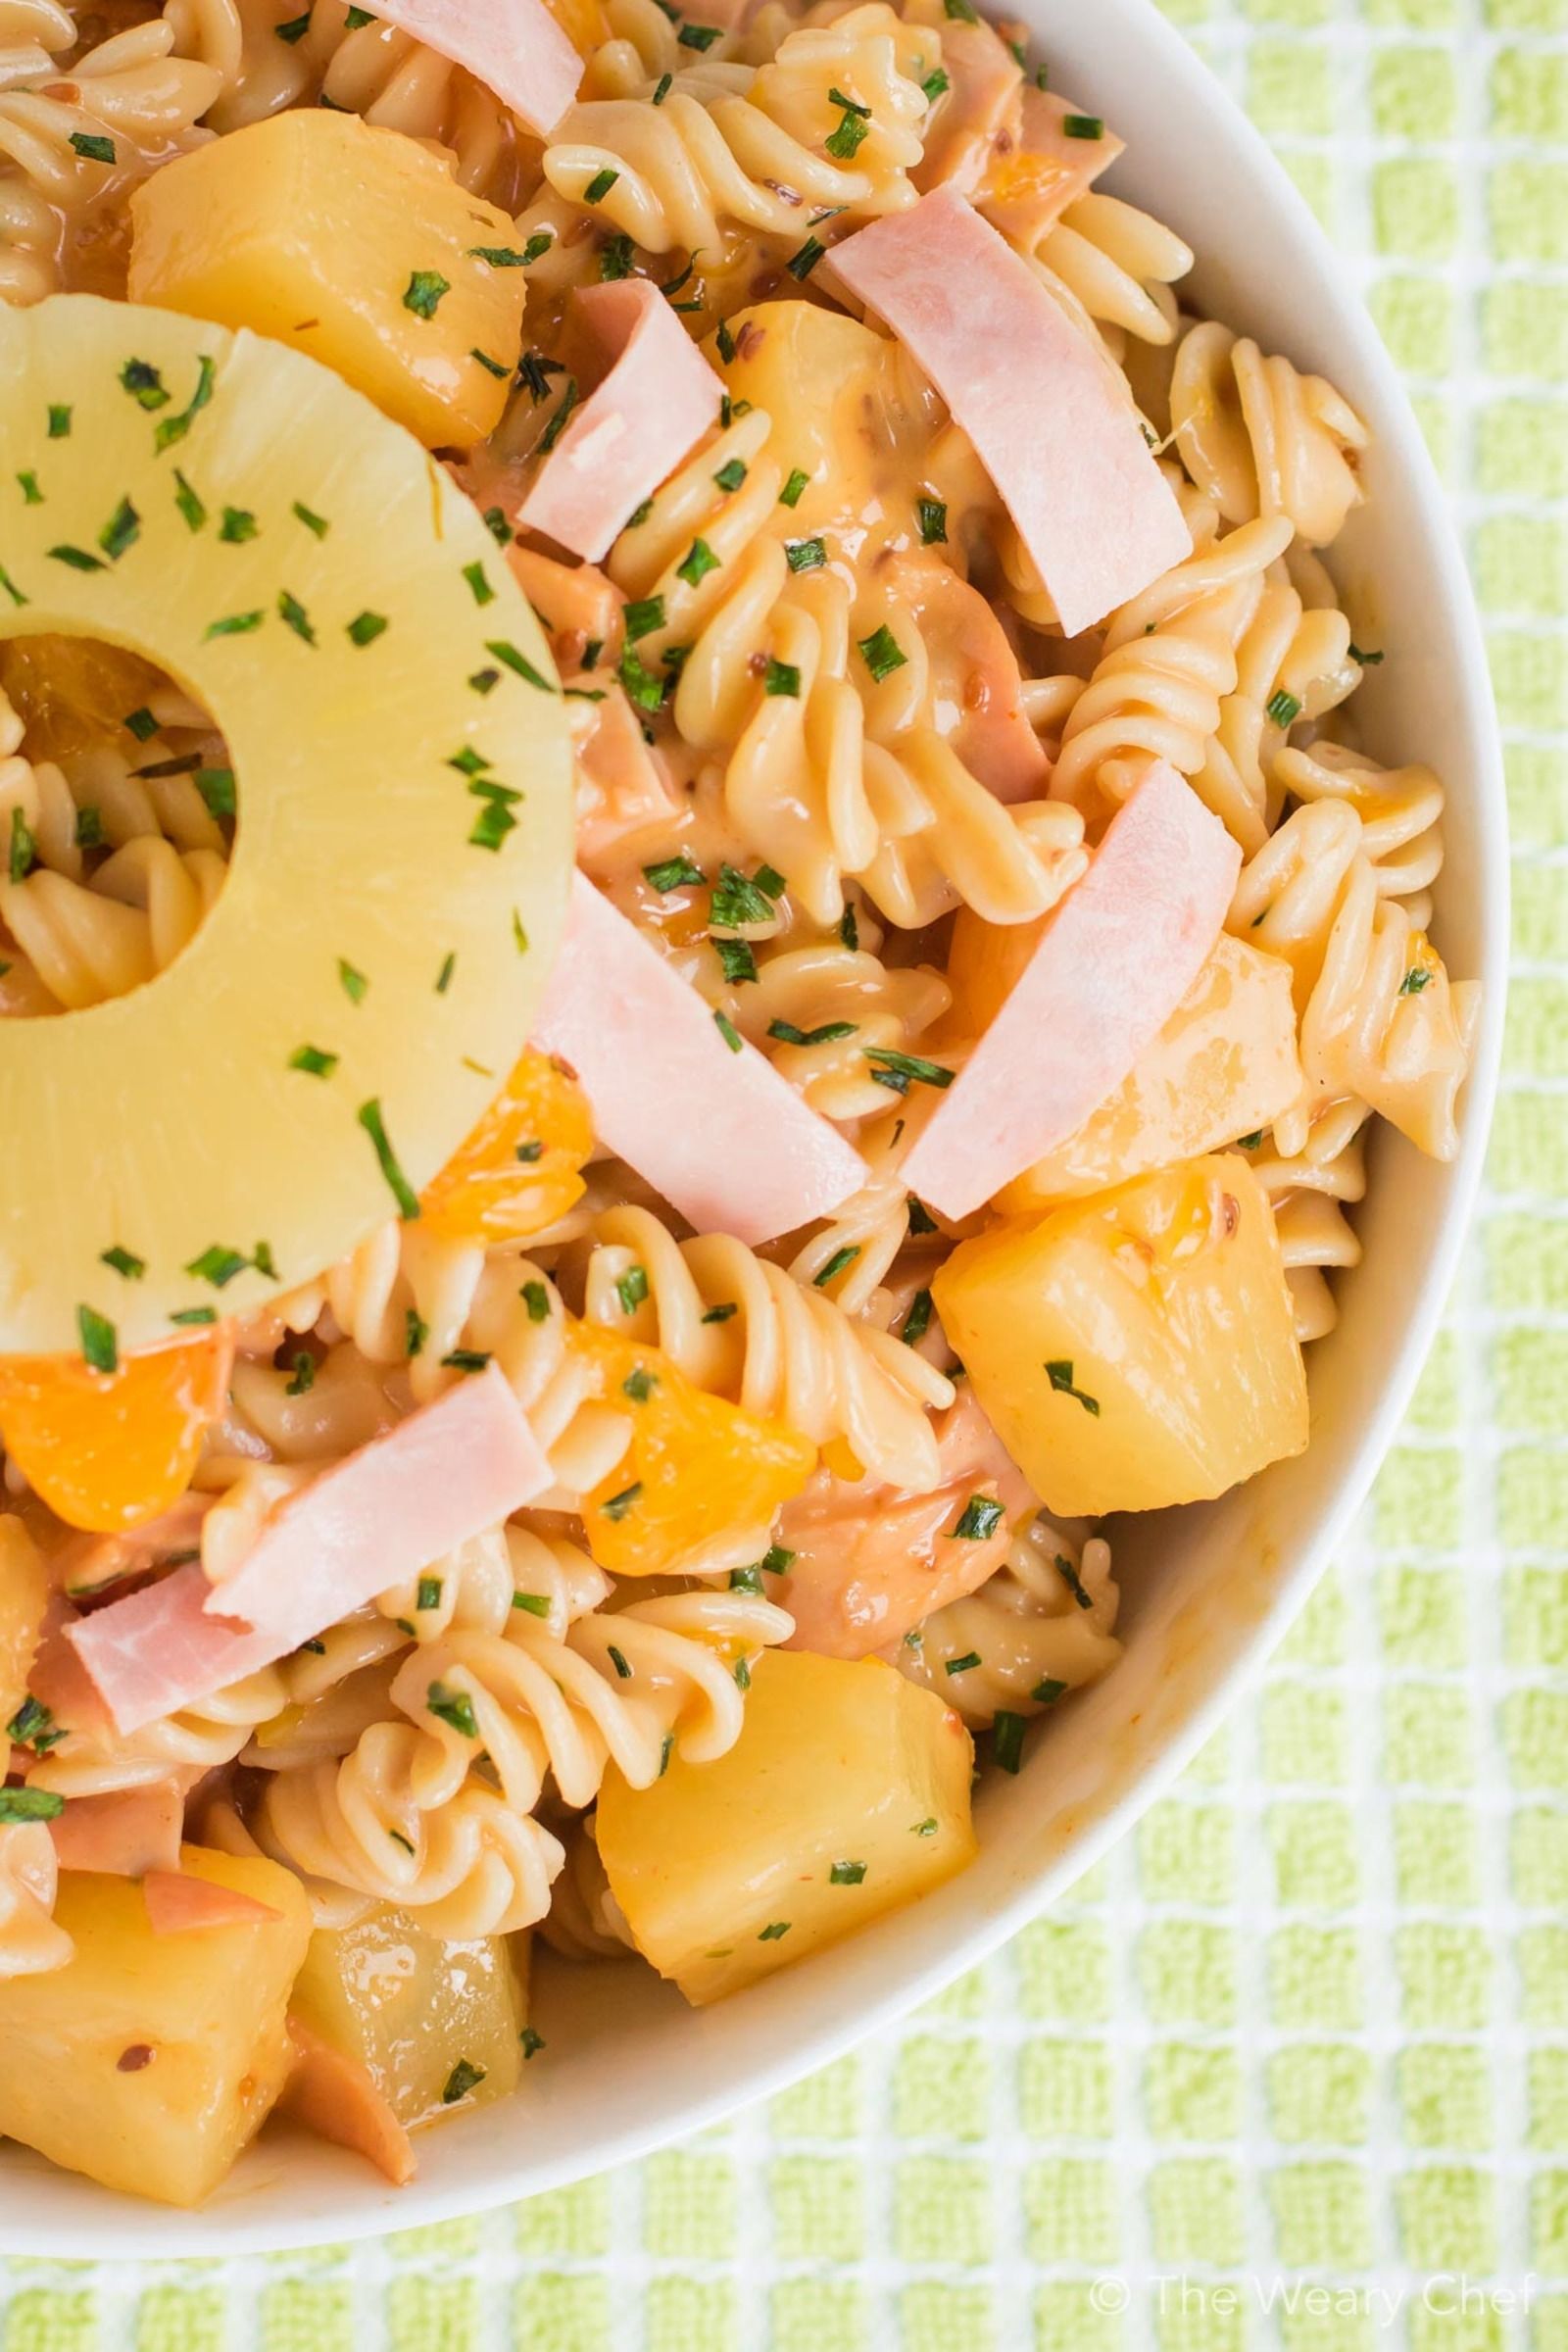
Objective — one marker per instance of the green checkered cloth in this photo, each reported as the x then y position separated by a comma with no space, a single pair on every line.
1290,2069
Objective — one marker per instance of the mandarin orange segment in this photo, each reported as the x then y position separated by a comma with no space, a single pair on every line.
698,1469
520,1170
107,1450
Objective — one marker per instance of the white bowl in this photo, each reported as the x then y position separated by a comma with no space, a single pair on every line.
1206,1592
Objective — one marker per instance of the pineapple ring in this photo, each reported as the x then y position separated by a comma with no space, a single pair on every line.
400,870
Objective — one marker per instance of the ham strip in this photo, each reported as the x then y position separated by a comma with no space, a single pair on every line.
1114,960
655,404
718,1133
374,1519
122,1834
178,1904
333,2095
514,47
1025,194
1061,443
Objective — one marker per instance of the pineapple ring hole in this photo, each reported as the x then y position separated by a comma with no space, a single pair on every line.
118,810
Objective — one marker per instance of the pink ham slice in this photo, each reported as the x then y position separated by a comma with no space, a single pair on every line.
1025,194
976,120
374,1519
1114,962
1063,447
122,1834
718,1133
334,2096
181,1905
514,47
655,404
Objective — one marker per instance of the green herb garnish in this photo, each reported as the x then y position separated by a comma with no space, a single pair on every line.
979,1518
1060,1375
424,292
403,1193
100,1349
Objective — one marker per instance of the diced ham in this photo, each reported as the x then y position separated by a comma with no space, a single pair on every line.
332,2095
123,1834
723,1138
869,1565
1026,193
1115,959
1063,445
179,1904
622,789
976,120
657,398
514,47
577,606
374,1519
976,684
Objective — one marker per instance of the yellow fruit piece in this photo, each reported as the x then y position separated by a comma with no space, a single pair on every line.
363,858
1138,1348
71,691
522,1168
23,1597
847,1795
423,2018
106,1451
149,2061
818,375
1224,1066
355,245
698,1476
583,21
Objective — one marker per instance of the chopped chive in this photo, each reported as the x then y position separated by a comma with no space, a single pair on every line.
829,1034
773,1931
217,1265
640,1383
674,873
740,899
443,978
30,1804
805,555
736,959
100,1349
979,1518
424,292
911,1066
790,494
455,1707
1047,1691
536,1298
366,628
59,422
1083,126
619,1504
1007,1740
125,1262
917,1322
121,531
533,2042
852,129
529,1155
1365,660
933,515
482,592
661,92
175,428
640,684
600,185
641,616
535,370
353,983
839,1263
193,1315
416,1332
881,653
781,677
145,385
89,829
638,516
75,557
295,30
935,84
189,505
499,528
304,1379
503,257
237,525
518,664
140,723
728,1032
698,564
464,2077
465,1359
726,342
96,149
294,616
32,496
846,1873
313,522
23,850
403,1193
1073,1581
235,624
698,37
1060,1375
964,1665
801,264
1415,980
631,1289
722,1312
537,1604
313,1062
730,475
491,826
10,588
850,930
615,259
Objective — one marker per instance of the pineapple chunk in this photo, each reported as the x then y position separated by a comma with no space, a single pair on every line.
818,375
847,1795
432,2023
1138,1348
353,244
23,1597
149,2061
376,844
1224,1064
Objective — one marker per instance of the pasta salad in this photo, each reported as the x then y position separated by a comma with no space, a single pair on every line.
696,953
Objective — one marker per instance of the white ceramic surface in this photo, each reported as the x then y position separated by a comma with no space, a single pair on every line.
1207,1590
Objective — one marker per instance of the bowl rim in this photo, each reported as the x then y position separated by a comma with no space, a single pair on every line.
119,2227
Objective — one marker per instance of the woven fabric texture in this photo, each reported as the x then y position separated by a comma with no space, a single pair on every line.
1290,2069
